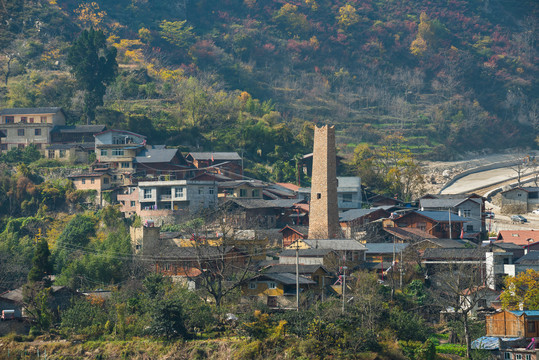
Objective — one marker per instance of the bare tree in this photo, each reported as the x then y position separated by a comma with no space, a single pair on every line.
459,284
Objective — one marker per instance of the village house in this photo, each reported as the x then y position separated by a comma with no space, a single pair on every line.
73,143
277,290
116,150
513,324
326,257
75,153
292,233
436,223
259,213
242,189
22,127
155,161
353,221
318,273
524,238
519,200
468,207
380,256
98,181
229,164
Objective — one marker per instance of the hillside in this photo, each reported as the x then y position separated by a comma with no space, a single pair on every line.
253,76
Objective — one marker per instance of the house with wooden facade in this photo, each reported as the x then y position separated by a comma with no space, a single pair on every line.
508,323
277,290
441,224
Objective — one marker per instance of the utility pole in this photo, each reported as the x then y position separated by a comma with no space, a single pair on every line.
450,234
343,287
297,275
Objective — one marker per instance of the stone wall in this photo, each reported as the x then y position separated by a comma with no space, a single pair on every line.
323,215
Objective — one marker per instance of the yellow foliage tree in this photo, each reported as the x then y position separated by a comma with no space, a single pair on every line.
522,291
348,16
90,15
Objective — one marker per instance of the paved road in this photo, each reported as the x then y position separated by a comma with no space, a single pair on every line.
480,179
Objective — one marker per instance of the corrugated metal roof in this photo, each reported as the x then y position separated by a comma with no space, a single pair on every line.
356,213
441,203
442,216
306,252
29,111
534,313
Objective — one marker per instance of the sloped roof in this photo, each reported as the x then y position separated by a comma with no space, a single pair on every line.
306,252
77,129
454,254
300,230
384,248
30,111
441,216
291,268
447,243
289,186
236,183
519,237
148,156
84,146
216,156
531,258
524,188
408,233
335,244
441,203
261,204
354,214
529,313
285,278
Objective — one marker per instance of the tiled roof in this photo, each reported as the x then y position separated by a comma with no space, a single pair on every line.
441,203
357,213
236,183
69,129
335,244
286,278
455,254
261,204
447,243
306,252
519,237
409,233
292,187
291,268
30,111
85,146
216,156
531,258
384,248
155,156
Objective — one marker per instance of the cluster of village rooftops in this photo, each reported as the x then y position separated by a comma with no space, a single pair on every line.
163,186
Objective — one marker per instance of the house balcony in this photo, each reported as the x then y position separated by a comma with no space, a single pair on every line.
165,197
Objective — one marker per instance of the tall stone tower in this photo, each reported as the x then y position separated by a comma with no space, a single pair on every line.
324,213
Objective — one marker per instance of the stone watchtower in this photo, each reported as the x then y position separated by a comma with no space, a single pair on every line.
324,213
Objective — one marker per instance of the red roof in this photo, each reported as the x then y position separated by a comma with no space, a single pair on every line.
289,186
519,237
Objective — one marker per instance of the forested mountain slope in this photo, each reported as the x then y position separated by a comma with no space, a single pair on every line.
254,75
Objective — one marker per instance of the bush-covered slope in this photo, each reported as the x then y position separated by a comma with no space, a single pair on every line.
449,76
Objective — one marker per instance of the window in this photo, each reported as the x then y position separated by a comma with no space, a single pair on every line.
133,203
83,181
62,153
10,119
178,192
319,196
272,285
255,193
51,154
346,198
105,180
167,267
466,213
92,181
507,356
528,357
43,119
103,152
243,192
38,146
252,285
469,228
31,120
3,146
200,190
518,356
20,132
147,193
117,152
125,165
37,132
531,326
211,191
24,119
422,226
